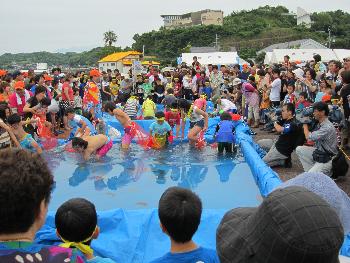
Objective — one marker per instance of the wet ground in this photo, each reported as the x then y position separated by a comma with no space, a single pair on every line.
288,173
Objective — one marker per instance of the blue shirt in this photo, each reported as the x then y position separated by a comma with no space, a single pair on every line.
207,91
199,255
160,129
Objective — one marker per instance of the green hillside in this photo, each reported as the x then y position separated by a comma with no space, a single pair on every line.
248,31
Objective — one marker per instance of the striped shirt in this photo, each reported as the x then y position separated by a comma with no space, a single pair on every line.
325,137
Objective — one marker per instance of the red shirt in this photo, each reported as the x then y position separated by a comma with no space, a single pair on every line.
70,92
172,118
13,102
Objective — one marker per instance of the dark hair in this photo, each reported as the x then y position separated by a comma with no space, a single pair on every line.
312,72
261,72
321,106
69,110
25,181
45,102
37,78
276,71
180,213
225,116
251,78
159,114
55,82
291,83
174,105
3,108
76,220
14,119
317,58
286,56
215,67
337,63
184,104
40,89
79,142
290,107
150,97
304,94
109,106
170,91
345,75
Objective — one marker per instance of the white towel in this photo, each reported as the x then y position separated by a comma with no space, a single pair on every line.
26,96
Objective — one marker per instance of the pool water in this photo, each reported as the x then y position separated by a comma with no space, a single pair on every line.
136,179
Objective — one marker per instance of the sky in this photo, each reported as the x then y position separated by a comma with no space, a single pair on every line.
76,25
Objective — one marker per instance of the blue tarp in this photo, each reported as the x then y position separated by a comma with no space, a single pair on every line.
135,236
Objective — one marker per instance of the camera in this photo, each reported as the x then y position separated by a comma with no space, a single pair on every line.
305,116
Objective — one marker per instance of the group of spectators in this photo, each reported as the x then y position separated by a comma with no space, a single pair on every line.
299,222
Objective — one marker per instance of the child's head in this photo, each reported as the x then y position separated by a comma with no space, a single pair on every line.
45,103
70,113
150,97
110,107
302,96
4,111
14,120
251,79
345,75
226,81
170,91
179,213
290,87
207,83
79,144
76,91
225,116
160,116
174,106
76,221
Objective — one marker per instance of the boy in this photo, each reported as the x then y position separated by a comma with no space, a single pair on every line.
76,225
88,145
169,99
25,139
224,133
207,90
302,102
148,108
160,129
147,88
80,125
180,214
159,90
290,97
131,107
173,117
129,126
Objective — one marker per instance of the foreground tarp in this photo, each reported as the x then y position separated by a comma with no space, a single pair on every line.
135,236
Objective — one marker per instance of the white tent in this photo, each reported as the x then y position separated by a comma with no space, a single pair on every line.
267,59
302,55
342,53
215,58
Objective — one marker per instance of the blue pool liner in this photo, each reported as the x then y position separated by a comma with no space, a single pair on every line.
135,235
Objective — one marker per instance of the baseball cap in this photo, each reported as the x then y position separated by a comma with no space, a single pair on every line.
48,78
2,72
19,85
291,225
95,73
236,81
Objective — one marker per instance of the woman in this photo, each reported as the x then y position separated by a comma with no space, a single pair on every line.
67,99
6,134
308,85
4,92
198,120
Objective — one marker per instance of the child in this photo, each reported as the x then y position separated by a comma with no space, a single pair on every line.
160,129
147,88
131,107
79,124
159,90
25,140
252,101
302,102
148,108
87,145
169,99
173,117
180,213
76,226
224,133
290,97
113,85
207,90
78,102
177,87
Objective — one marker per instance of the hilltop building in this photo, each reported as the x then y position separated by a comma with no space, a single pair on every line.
204,17
303,18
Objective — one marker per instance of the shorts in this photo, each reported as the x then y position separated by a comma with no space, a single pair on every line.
105,148
199,123
26,143
129,134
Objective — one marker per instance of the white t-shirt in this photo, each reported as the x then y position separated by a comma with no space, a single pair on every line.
227,105
275,93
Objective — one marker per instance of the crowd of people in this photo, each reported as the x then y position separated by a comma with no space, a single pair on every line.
301,221
307,105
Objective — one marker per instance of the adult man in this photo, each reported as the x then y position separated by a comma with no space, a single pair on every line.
335,80
216,80
291,225
92,96
279,151
345,96
18,99
275,87
319,158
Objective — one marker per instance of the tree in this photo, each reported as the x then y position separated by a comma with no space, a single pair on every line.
110,37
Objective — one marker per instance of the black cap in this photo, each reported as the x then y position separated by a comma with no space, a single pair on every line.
291,225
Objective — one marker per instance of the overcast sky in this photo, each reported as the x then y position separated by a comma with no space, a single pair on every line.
46,25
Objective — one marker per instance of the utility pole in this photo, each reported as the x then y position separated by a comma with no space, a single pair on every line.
329,37
143,50
216,42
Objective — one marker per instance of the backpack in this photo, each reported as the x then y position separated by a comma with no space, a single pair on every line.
339,164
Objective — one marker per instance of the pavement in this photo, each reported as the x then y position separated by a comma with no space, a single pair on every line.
288,173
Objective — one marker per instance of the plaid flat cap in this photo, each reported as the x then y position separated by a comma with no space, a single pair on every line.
292,225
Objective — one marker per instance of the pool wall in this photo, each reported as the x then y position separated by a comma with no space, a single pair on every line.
135,235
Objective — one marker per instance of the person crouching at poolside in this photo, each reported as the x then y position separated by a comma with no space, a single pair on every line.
125,121
224,133
160,129
76,226
198,120
25,139
88,145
